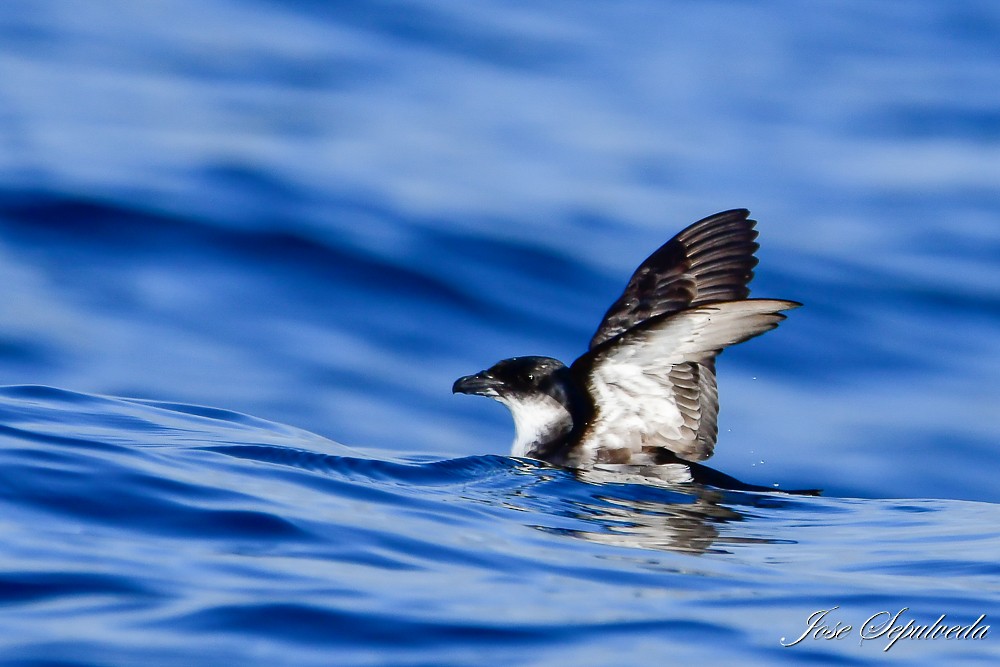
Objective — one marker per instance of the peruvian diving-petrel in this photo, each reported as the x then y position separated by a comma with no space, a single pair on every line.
643,399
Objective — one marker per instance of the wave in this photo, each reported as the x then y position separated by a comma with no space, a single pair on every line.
188,526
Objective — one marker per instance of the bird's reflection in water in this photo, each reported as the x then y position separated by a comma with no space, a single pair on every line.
691,526
639,512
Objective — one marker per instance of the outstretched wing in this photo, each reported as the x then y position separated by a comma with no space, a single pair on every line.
710,261
653,387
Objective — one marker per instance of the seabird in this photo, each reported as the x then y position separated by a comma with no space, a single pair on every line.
643,399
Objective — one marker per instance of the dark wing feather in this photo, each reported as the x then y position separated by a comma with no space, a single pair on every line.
697,397
710,261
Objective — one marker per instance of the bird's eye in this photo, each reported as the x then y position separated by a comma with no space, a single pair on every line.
531,377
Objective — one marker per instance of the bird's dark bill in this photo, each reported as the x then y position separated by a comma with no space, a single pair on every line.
479,384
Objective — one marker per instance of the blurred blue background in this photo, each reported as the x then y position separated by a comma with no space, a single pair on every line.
321,213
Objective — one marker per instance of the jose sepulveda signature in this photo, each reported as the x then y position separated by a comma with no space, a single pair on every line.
887,626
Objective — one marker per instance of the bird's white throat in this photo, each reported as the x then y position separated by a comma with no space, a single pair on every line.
538,419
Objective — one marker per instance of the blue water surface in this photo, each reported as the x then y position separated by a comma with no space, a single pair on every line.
314,216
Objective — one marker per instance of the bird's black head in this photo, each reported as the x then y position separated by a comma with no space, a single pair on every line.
542,395
517,377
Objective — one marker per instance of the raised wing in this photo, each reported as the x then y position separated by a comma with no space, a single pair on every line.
654,386
710,261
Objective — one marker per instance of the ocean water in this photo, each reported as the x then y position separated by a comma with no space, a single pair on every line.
246,247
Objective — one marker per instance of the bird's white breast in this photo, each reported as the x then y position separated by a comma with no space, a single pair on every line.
537,418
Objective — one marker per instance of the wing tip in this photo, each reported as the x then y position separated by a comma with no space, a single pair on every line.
755,305
722,223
